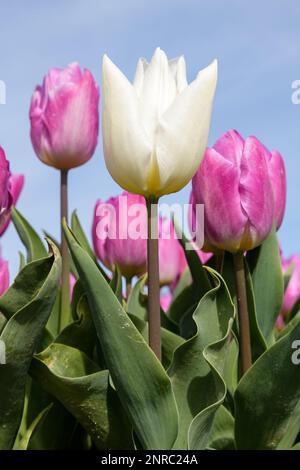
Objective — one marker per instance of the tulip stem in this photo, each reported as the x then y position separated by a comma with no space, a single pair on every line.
65,282
244,327
128,287
153,278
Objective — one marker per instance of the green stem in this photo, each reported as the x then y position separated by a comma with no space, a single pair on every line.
244,327
153,278
65,281
128,287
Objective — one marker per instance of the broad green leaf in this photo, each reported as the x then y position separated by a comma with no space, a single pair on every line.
80,235
116,284
170,341
258,344
140,380
80,334
22,261
222,431
21,336
55,431
83,241
268,395
196,383
23,445
76,382
185,302
30,239
138,305
58,244
266,272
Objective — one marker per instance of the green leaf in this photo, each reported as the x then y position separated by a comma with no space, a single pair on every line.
140,380
258,344
222,431
265,267
81,236
80,334
195,369
23,445
76,382
30,239
21,335
170,341
116,284
268,396
138,305
185,302
22,261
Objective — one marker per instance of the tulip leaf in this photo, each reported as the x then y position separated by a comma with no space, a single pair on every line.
116,284
23,445
76,382
194,372
198,273
222,431
268,396
30,239
80,334
138,305
82,239
140,380
55,431
22,261
170,341
266,272
258,343
27,318
80,235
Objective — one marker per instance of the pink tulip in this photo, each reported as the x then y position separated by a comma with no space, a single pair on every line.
15,185
10,188
165,301
120,233
72,280
278,180
234,185
4,276
5,196
171,254
292,292
64,117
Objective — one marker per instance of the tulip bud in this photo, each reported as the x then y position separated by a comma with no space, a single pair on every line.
171,255
155,130
292,291
234,185
165,301
120,234
4,276
64,117
278,180
5,197
15,185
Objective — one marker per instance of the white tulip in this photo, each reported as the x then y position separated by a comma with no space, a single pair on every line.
155,130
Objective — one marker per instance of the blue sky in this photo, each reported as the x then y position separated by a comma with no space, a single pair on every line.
257,44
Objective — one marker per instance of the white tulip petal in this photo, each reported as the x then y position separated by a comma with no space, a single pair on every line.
178,68
159,91
139,75
127,149
182,133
